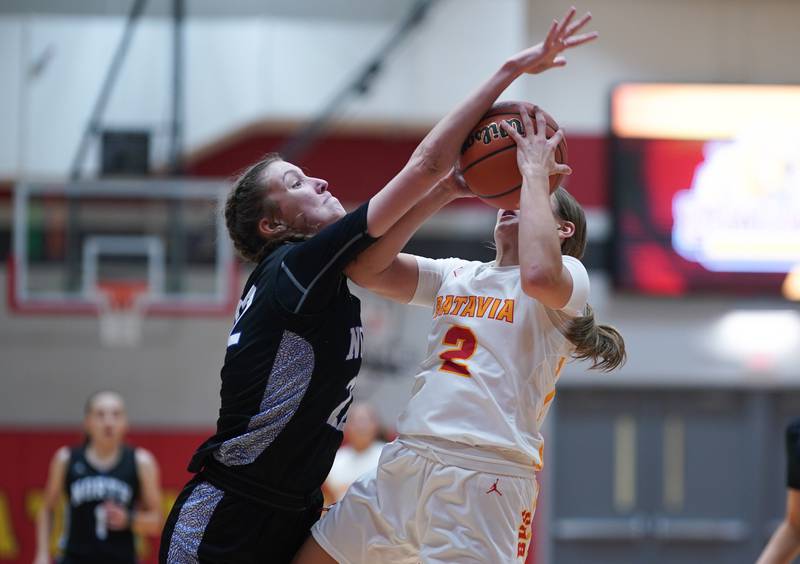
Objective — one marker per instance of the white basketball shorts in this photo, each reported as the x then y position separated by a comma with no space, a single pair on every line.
414,508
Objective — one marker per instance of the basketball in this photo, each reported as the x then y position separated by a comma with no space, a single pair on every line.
489,156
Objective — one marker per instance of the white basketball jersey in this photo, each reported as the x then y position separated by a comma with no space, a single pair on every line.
494,356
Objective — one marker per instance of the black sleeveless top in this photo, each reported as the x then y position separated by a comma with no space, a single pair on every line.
87,538
292,359
793,454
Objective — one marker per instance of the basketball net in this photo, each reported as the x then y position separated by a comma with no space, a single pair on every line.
121,309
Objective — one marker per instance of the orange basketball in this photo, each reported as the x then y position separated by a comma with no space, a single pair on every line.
489,156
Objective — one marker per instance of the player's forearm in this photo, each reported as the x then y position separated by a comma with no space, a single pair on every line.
440,147
43,532
379,257
436,154
146,522
782,547
539,248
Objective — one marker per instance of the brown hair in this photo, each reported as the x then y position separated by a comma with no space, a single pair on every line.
247,204
602,344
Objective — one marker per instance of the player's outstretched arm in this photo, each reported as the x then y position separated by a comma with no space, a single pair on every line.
438,151
784,545
147,519
52,490
394,276
542,273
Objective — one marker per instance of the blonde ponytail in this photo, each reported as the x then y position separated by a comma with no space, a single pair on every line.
602,344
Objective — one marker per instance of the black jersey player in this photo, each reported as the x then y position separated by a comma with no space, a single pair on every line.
111,490
295,347
784,545
294,352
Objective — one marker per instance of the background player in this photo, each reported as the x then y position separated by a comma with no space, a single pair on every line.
112,490
295,347
359,455
784,545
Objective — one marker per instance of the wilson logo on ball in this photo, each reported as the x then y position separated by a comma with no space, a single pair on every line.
489,156
490,132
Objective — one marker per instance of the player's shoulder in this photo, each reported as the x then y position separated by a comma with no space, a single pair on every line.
570,260
61,459
443,266
575,267
62,454
264,276
272,262
459,265
143,457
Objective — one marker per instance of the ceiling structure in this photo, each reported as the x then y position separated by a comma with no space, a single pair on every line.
377,10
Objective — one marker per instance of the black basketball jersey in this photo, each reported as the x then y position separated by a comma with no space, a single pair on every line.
793,454
87,537
293,355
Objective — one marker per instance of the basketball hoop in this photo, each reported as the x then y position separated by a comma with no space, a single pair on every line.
121,308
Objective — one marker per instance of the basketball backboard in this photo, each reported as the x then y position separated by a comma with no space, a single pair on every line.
167,238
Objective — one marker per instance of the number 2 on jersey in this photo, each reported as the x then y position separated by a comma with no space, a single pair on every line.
464,343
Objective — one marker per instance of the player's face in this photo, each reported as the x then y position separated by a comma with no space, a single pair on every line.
304,202
506,229
362,427
106,421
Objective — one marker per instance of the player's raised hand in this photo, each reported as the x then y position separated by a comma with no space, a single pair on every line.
535,152
563,35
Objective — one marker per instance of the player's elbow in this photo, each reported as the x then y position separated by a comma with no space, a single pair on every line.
363,276
150,529
149,523
428,161
43,514
538,280
793,523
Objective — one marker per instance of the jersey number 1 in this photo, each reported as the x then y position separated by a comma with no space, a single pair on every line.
464,342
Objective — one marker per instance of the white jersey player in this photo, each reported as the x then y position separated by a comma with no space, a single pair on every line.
494,354
458,485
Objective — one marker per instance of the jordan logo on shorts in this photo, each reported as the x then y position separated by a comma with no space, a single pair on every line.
494,488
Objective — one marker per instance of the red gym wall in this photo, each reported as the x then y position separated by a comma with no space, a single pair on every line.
358,163
27,458
22,482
